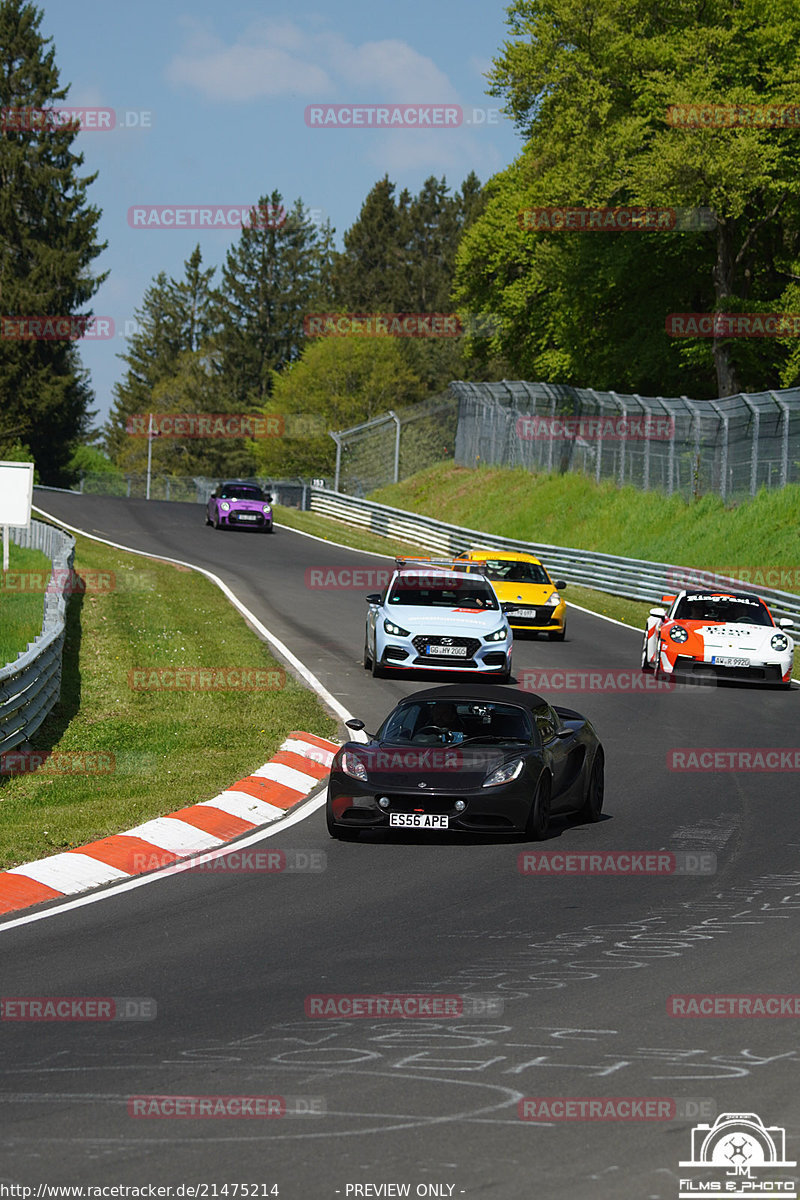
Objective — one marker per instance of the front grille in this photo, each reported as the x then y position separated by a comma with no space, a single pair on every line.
419,644
235,518
440,805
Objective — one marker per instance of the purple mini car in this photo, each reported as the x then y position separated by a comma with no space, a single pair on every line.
241,505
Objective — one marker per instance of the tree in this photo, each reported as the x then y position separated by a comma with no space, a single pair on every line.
339,382
273,277
176,318
48,241
589,88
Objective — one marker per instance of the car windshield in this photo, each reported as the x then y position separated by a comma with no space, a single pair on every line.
733,610
437,722
241,491
459,593
511,571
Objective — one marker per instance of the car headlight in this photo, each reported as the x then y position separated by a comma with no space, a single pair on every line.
499,635
504,774
353,766
678,634
395,630
554,599
779,641
224,506
267,509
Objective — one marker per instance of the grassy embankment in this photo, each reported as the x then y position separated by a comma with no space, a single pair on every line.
572,510
21,600
163,749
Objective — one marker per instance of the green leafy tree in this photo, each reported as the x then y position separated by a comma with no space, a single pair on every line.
48,241
339,382
589,88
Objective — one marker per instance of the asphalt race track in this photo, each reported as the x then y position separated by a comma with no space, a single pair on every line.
584,965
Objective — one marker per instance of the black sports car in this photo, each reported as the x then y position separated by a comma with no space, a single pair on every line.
472,758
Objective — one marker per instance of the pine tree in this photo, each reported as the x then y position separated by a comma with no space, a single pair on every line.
48,239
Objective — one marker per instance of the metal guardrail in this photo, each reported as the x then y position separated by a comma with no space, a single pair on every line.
31,686
634,578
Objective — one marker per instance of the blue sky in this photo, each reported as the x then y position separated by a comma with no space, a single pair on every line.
214,96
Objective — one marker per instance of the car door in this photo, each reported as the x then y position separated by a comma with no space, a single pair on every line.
563,753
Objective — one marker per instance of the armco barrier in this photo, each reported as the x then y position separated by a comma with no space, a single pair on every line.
634,578
31,686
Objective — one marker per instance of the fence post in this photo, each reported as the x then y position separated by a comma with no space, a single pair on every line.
723,471
396,420
784,408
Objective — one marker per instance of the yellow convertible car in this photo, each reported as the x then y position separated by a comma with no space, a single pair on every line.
527,594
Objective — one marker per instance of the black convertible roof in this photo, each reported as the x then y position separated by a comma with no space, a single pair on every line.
479,692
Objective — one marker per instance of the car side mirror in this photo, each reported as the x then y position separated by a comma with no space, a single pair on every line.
786,623
658,612
355,723
373,598
560,585
269,498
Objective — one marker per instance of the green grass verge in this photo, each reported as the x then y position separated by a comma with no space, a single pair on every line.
168,748
21,600
760,535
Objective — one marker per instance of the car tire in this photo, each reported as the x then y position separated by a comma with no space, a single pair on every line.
269,529
592,809
208,519
377,671
539,818
559,635
215,522
367,659
645,664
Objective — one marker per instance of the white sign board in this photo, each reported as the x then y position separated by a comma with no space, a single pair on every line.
16,493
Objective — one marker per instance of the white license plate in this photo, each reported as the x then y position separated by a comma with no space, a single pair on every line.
247,516
418,820
523,612
723,661
452,651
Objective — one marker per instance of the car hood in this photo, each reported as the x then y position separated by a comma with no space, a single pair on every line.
441,768
722,635
523,593
252,505
447,620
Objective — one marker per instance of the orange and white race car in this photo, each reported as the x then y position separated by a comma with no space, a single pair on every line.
726,635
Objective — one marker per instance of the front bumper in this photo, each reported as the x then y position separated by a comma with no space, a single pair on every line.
410,653
244,520
546,618
777,671
504,809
